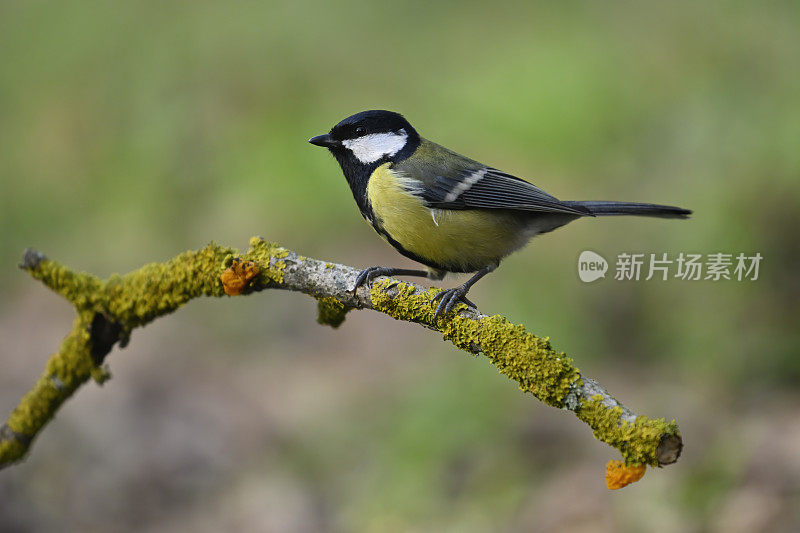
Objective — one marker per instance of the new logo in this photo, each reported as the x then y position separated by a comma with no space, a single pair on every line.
591,266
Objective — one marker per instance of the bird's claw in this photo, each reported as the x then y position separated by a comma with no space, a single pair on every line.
468,301
449,299
369,274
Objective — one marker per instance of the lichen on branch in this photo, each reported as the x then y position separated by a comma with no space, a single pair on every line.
109,310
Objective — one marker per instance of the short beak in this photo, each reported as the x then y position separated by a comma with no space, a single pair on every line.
324,140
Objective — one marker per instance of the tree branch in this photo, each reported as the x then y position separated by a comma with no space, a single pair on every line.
109,310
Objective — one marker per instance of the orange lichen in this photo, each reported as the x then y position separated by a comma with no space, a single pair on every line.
238,276
619,475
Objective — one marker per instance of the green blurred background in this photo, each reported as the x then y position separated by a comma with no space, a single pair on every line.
132,131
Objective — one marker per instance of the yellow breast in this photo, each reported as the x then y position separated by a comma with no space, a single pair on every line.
458,241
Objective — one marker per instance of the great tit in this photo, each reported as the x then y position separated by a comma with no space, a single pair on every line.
444,210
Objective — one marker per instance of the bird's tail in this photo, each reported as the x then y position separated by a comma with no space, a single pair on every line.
631,208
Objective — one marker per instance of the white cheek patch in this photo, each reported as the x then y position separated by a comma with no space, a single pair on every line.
372,147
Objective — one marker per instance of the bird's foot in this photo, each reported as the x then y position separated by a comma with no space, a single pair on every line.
449,299
370,273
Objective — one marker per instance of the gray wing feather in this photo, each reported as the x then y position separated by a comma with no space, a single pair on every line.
445,173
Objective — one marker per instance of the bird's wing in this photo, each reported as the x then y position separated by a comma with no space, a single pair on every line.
451,181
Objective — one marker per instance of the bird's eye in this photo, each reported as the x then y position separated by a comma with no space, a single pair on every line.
360,130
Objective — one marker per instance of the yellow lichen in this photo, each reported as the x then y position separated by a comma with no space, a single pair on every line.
11,450
532,363
136,298
331,311
65,371
132,300
269,256
159,288
527,359
638,441
81,289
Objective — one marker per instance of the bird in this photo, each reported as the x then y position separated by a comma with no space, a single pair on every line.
444,210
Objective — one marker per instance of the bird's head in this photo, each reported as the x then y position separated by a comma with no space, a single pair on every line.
369,138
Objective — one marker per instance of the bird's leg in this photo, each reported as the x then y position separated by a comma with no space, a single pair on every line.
370,273
450,297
